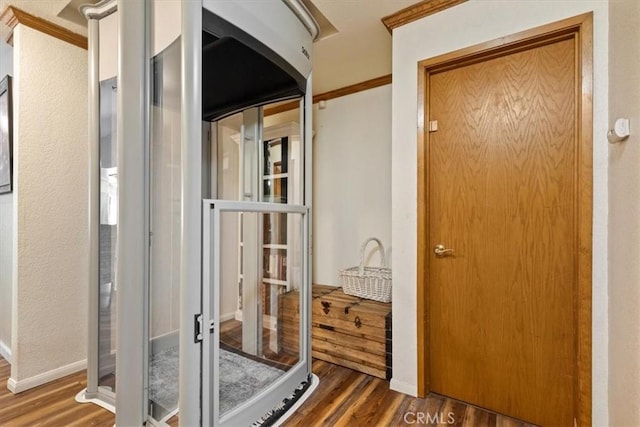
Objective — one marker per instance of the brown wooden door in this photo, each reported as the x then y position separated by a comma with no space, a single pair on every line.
502,194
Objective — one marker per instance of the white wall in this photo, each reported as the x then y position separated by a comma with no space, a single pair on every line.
108,47
465,25
167,16
6,235
624,216
351,181
50,210
228,184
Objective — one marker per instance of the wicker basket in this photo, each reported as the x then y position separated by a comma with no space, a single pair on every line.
368,282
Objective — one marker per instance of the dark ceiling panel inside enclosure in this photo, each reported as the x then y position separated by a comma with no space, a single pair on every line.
239,71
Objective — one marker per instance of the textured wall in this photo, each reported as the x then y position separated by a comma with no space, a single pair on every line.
465,25
50,301
624,216
351,181
6,235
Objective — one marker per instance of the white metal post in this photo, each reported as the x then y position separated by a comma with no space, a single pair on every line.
214,304
133,213
307,140
94,13
94,207
208,300
191,244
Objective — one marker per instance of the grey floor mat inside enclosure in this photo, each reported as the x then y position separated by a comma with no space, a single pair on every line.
240,378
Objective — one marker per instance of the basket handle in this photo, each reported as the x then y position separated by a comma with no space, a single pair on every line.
364,246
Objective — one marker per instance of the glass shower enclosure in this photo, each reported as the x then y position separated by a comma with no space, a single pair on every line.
200,211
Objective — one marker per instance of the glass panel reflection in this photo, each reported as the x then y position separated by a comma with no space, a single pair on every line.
259,305
107,238
165,183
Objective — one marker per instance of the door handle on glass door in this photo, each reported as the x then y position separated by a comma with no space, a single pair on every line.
441,251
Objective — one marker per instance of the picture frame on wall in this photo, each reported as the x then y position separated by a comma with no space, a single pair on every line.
6,136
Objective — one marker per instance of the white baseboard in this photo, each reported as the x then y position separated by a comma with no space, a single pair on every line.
228,316
37,380
5,351
402,387
268,321
164,342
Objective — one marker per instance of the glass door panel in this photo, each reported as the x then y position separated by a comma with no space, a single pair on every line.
256,346
108,233
256,352
165,220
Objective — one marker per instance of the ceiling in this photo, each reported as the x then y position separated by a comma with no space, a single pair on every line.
359,51
47,9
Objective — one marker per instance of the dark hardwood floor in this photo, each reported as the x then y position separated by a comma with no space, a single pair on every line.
231,338
349,398
343,398
52,404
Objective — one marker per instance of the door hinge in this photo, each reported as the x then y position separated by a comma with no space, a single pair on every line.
198,327
433,126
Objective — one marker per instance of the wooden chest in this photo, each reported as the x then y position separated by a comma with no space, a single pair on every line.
346,330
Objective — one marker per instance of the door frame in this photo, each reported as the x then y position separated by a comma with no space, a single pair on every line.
269,398
580,29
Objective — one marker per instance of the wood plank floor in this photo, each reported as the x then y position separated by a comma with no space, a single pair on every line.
343,398
52,404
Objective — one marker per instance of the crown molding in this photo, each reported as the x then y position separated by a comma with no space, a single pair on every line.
348,90
336,93
13,16
417,11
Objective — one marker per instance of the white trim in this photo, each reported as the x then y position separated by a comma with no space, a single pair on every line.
402,387
303,14
164,421
270,321
45,377
229,316
258,207
5,351
164,342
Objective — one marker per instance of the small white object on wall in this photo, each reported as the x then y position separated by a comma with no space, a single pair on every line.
620,131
